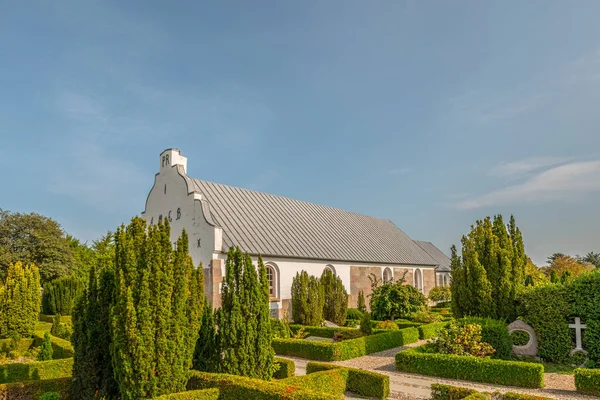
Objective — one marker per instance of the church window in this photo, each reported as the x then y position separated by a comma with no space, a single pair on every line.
160,218
387,275
178,212
329,267
165,188
419,280
273,279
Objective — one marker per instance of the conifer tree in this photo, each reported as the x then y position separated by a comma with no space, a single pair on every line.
46,350
207,355
460,300
19,301
362,307
479,287
335,298
307,299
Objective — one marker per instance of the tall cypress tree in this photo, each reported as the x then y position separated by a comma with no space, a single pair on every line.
19,301
335,298
207,354
264,351
308,299
479,287
458,286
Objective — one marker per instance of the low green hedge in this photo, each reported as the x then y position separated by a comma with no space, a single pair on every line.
319,331
588,381
445,392
34,371
33,390
43,326
205,394
239,387
365,383
331,381
286,368
430,330
65,319
22,346
478,396
509,373
347,349
404,323
60,348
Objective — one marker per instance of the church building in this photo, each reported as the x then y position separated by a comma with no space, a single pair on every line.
291,235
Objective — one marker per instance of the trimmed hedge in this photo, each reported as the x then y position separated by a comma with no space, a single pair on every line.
331,381
509,373
33,390
365,383
347,349
588,381
22,346
65,319
319,331
286,369
445,392
431,330
43,326
239,387
478,396
60,348
204,394
35,371
404,323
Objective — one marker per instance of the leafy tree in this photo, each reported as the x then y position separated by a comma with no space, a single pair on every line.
19,300
336,298
592,258
440,294
84,257
395,299
361,302
244,329
554,256
534,275
554,278
45,353
307,300
34,239
562,263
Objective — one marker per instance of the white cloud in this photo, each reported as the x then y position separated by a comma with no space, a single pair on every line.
518,169
564,182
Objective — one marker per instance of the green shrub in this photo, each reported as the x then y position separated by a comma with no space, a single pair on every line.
591,339
345,350
425,317
280,329
445,392
354,314
65,319
495,333
365,324
285,368
61,329
430,331
308,299
50,396
387,325
396,300
440,294
239,387
588,381
34,389
365,383
331,381
462,340
205,394
352,323
403,323
60,295
335,304
21,346
361,306
478,396
510,373
60,347
347,335
519,338
39,370
45,353
521,396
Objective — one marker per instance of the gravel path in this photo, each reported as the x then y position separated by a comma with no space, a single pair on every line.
405,386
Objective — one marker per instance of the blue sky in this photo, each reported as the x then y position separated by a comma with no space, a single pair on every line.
430,114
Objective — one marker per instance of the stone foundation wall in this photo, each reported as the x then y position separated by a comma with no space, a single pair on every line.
213,277
409,277
359,280
428,280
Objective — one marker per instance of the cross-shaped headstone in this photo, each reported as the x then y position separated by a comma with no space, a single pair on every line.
578,326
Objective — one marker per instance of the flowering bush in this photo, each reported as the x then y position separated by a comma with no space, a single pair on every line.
462,340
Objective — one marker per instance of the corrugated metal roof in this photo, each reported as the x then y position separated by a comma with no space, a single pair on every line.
261,223
442,259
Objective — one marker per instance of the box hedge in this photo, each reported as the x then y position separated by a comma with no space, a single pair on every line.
364,383
33,390
34,371
588,381
60,348
204,394
431,330
446,392
285,368
347,349
329,381
22,346
239,387
65,319
509,373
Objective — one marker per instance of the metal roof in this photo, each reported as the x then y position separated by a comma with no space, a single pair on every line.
261,223
442,259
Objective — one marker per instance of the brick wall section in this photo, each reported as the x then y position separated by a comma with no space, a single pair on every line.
398,272
211,283
359,280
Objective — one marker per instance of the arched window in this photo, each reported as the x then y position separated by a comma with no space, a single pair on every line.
446,280
329,267
419,279
273,279
387,275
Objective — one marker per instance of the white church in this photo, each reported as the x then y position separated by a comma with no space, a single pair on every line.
291,235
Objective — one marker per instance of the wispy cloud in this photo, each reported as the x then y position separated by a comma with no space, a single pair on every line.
564,182
522,168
